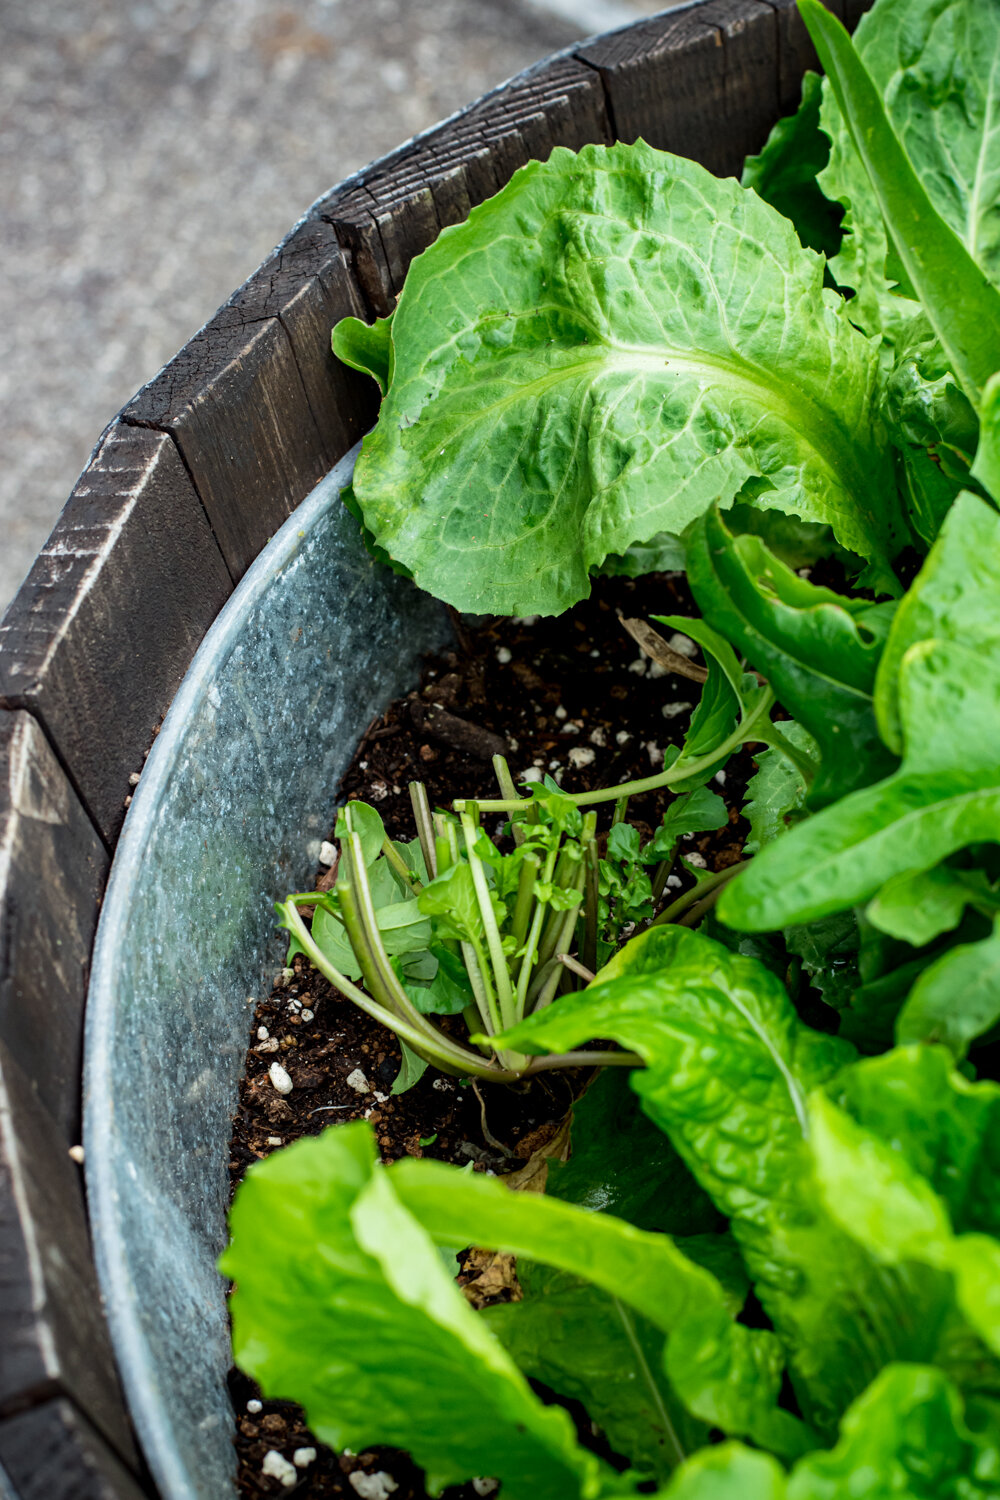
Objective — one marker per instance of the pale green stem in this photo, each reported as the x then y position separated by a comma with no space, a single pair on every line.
678,772
505,781
425,825
527,962
501,973
446,1055
400,866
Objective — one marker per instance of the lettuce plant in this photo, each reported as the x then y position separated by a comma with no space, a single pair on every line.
770,1269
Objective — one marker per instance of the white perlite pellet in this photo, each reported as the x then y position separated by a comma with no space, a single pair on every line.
682,643
378,1486
671,710
655,754
280,1081
276,1466
622,737
358,1082
580,756
486,1486
262,1033
533,773
560,712
655,670
638,666
598,737
303,1457
308,1015
698,860
284,978
327,853
503,655
254,1406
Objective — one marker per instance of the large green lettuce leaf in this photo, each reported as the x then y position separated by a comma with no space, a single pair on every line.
592,1347
598,353
819,650
342,1304
905,1158
906,1437
784,173
936,64
953,598
621,1164
957,998
725,1373
943,691
729,1070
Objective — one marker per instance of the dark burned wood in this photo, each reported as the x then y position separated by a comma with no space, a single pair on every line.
52,1335
52,872
796,52
702,82
52,1453
255,402
100,634
392,212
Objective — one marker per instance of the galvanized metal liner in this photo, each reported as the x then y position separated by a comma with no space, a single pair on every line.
234,800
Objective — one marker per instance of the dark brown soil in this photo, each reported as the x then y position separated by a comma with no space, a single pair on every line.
536,690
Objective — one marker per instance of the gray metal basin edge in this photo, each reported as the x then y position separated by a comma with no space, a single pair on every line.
234,799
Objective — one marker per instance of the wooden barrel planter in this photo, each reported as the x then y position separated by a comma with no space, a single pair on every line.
183,490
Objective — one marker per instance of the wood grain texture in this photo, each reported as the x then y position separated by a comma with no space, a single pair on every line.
52,871
393,211
104,627
796,52
256,428
53,1338
702,82
52,1453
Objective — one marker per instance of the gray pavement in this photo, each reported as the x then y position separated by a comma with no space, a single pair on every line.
152,152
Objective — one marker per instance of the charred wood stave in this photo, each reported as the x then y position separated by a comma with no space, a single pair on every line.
397,208
51,1452
53,869
99,636
257,406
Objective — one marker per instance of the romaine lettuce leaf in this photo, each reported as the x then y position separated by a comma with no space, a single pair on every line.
905,1437
612,343
785,172
729,1068
726,1374
937,696
342,1304
591,1347
819,650
936,65
957,998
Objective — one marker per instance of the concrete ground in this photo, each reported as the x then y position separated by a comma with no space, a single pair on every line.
152,152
